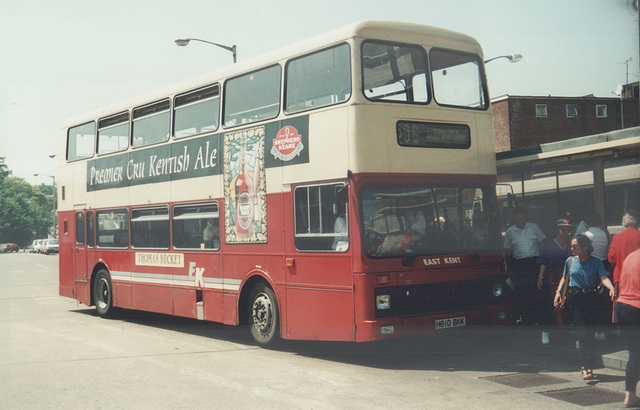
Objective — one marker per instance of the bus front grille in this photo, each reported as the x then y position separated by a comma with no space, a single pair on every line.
437,298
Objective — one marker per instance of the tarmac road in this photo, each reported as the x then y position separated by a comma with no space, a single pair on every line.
55,353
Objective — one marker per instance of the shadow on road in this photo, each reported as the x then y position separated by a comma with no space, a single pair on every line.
515,349
499,348
218,331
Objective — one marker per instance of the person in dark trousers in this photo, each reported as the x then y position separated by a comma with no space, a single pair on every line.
522,248
628,314
551,260
578,288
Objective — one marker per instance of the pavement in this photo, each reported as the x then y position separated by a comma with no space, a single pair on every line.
616,360
611,353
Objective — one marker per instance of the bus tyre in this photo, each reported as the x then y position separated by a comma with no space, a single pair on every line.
264,321
102,295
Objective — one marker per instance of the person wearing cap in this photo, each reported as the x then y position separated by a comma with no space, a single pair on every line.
553,255
522,248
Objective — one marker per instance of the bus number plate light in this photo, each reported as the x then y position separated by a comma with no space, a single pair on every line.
383,302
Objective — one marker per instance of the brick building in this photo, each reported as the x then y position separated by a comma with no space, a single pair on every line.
523,121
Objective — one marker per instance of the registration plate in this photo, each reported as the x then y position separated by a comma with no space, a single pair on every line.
451,322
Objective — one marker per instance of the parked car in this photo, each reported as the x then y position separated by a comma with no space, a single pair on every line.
43,246
36,246
10,247
51,246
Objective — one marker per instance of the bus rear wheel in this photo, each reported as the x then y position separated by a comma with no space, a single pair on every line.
102,295
264,321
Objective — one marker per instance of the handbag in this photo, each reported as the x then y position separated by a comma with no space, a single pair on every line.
565,286
614,315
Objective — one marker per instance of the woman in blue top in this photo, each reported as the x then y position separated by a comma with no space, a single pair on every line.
585,273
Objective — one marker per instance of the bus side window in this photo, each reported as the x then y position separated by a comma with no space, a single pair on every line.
196,226
80,228
90,229
321,218
113,228
150,228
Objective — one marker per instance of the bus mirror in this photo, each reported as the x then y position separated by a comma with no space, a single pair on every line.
511,200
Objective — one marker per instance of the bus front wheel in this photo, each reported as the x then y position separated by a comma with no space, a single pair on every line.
264,320
102,295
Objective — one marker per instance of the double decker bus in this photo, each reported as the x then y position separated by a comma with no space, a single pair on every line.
339,189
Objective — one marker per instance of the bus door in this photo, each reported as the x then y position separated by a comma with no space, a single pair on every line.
80,271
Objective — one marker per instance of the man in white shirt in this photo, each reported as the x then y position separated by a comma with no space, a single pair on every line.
599,238
522,246
211,234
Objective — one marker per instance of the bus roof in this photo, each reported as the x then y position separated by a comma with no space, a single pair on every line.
375,29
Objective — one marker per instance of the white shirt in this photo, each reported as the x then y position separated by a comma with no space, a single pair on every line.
210,232
416,221
581,229
599,241
524,242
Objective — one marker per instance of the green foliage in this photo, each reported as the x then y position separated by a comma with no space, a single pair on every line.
24,208
4,171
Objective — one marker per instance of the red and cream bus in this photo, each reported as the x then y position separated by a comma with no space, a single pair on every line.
339,189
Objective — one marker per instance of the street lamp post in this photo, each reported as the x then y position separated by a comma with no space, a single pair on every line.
182,42
53,200
513,58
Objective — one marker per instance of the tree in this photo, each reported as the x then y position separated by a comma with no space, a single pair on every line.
24,209
4,170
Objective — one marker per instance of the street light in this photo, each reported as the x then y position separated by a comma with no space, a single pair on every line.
53,201
182,42
513,58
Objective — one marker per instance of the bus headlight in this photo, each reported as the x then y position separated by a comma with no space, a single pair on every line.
497,290
383,302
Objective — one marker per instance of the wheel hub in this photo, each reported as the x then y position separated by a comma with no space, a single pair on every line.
104,294
261,313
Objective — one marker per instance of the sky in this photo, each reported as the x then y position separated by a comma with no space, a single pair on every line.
63,58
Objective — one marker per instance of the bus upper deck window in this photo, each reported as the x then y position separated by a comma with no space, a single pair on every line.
151,124
394,72
113,134
196,112
252,97
458,80
81,141
319,79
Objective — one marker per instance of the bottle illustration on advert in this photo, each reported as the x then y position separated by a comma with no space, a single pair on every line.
245,196
245,187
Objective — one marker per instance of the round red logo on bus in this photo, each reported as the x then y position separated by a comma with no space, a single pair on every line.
287,144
